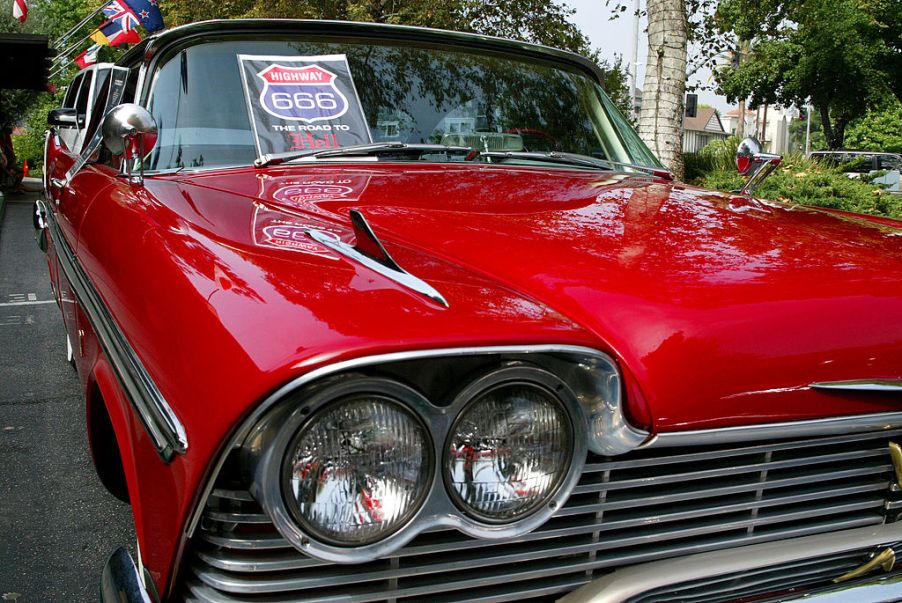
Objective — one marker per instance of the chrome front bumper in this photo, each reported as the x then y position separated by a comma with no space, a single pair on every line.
632,583
885,589
120,581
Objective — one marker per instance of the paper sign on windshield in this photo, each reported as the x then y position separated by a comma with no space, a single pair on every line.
302,103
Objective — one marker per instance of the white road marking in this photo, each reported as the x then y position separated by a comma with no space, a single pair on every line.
32,297
28,303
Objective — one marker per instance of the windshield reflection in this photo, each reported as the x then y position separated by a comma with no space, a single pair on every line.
407,94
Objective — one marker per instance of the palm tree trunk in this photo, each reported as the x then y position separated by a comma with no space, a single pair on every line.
661,118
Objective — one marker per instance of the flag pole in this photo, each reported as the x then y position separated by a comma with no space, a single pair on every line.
81,24
60,58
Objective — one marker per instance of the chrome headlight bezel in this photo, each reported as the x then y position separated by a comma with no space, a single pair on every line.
266,444
269,446
512,376
391,396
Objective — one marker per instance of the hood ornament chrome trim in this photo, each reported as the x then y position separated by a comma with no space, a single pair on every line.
751,162
370,252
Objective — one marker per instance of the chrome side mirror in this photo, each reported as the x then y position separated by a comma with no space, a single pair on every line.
751,162
65,118
130,130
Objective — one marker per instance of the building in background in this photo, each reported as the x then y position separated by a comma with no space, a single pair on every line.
705,127
731,119
769,125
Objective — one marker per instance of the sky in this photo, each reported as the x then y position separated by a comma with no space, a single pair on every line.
616,38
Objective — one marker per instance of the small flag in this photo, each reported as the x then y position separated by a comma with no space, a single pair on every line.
20,10
88,57
111,34
120,14
148,12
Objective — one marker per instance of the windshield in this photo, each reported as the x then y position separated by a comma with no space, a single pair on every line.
205,109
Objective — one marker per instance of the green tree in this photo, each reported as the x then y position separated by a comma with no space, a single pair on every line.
877,130
843,55
541,21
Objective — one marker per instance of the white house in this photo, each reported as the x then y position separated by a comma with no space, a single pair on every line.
698,131
770,126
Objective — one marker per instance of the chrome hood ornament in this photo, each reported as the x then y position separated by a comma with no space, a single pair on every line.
751,162
370,252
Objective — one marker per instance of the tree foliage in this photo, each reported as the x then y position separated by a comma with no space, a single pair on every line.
877,130
540,21
29,146
843,55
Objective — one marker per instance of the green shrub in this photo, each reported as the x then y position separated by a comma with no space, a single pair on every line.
30,145
797,180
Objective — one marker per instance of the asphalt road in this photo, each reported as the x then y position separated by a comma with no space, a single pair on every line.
57,522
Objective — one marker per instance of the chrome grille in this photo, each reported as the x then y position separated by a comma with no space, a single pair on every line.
798,576
638,507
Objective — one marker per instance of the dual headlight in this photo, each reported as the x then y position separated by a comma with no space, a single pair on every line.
366,457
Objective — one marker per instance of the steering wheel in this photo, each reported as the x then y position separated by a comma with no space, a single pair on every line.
554,142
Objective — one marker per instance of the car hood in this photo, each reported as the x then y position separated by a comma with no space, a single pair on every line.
723,309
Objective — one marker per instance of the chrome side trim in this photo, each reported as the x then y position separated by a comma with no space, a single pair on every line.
630,582
241,433
862,385
165,430
766,431
387,267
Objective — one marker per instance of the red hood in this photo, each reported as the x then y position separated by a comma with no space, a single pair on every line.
723,309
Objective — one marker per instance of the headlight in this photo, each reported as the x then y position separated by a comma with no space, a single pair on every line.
508,451
358,470
352,468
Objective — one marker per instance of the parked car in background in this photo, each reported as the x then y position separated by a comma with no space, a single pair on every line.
377,313
856,163
79,102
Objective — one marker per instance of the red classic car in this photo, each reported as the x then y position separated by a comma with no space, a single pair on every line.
374,313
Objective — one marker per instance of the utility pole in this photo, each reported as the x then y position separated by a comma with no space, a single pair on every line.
738,54
634,67
808,129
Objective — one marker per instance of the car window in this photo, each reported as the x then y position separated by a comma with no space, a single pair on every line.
101,79
116,87
72,92
889,162
81,103
407,94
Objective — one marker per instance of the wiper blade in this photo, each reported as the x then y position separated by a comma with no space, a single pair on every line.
573,159
548,157
358,150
